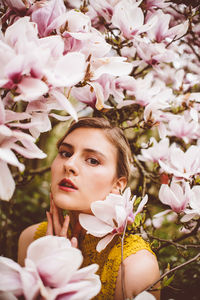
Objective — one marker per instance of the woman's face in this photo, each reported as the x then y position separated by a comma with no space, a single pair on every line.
84,170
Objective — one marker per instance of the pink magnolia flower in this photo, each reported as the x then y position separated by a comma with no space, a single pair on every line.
19,53
89,43
46,15
147,90
161,30
181,127
51,271
154,53
194,203
110,217
40,110
32,66
182,164
9,142
160,217
123,18
19,5
104,8
157,151
175,196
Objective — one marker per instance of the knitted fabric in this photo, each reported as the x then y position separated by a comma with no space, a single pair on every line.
109,259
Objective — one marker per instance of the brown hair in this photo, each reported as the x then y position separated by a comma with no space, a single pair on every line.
114,134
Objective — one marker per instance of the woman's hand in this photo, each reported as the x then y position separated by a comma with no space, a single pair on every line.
57,224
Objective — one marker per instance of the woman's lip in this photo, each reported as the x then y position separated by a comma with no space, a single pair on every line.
67,189
64,182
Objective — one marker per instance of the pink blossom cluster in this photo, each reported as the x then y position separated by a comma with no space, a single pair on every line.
69,56
52,271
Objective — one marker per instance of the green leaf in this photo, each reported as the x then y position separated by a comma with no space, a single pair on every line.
137,201
138,219
167,280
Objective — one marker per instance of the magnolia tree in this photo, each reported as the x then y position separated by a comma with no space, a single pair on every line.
136,63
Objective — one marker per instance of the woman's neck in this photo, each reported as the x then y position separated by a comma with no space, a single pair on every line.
76,229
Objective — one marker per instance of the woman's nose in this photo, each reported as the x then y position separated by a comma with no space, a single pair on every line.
70,165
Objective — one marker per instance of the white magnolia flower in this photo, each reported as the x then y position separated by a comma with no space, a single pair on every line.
51,271
110,216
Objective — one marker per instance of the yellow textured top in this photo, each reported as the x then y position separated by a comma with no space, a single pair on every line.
109,259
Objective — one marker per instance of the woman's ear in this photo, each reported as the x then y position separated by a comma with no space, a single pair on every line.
119,185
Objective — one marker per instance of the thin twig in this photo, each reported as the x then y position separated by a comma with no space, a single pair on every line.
174,269
174,243
122,264
183,237
144,172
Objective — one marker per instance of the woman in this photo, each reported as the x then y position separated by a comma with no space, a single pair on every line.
94,160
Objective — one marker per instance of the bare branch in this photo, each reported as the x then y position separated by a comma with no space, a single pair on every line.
186,246
174,269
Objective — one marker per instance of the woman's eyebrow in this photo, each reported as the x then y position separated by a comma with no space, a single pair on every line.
88,150
94,151
66,145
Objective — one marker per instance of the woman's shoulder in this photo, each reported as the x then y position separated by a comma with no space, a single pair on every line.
140,270
27,236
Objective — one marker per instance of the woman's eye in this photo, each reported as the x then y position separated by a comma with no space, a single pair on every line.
93,161
65,154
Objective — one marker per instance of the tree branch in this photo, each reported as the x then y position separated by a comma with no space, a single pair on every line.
193,232
174,243
174,269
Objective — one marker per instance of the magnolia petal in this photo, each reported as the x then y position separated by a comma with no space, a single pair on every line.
63,263
188,217
165,194
10,276
4,130
15,116
94,226
142,204
170,170
45,15
68,71
31,89
65,103
104,242
85,272
29,150
30,284
115,68
59,117
9,157
194,201
103,211
121,215
145,296
65,260
7,184
87,288
177,190
16,4
45,246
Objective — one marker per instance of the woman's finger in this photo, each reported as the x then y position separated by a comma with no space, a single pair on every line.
74,242
51,200
49,224
56,221
60,214
65,227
